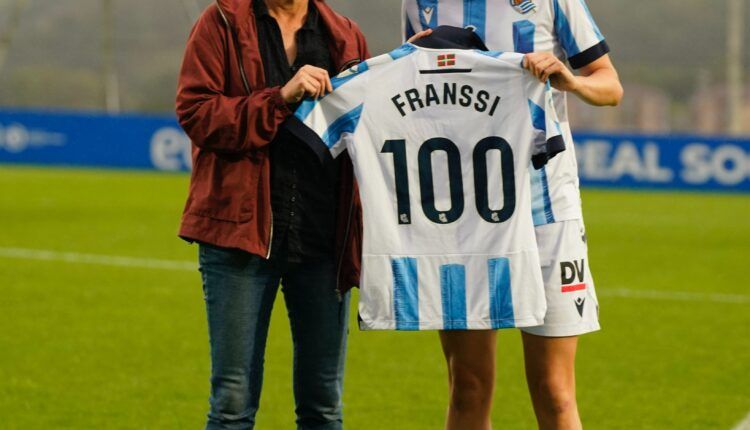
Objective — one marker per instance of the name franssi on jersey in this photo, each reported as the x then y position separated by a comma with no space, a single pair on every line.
449,93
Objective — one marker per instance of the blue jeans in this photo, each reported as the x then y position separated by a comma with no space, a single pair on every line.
239,290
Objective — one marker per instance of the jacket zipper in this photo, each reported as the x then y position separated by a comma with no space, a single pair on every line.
247,89
237,48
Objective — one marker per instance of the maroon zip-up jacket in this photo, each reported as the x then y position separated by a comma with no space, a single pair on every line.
230,115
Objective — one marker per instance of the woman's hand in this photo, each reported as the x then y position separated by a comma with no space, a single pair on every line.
544,65
309,81
421,34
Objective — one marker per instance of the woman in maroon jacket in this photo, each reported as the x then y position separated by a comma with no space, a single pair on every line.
261,207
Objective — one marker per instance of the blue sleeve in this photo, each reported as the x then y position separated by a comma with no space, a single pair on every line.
577,32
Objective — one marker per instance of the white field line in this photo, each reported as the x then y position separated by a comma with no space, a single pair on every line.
97,259
151,263
744,424
675,296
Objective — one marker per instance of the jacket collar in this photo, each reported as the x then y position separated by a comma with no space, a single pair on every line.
311,21
240,16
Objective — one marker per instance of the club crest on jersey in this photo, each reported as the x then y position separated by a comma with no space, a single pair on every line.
523,6
446,60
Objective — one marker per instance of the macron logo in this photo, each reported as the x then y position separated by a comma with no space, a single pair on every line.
427,13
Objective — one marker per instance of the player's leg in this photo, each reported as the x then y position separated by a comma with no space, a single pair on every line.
239,290
319,322
550,375
572,310
470,356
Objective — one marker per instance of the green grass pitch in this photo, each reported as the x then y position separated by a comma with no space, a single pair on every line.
87,346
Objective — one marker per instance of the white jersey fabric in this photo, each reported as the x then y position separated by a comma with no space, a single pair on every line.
441,142
564,27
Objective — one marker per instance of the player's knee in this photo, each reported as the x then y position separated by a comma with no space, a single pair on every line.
471,387
557,396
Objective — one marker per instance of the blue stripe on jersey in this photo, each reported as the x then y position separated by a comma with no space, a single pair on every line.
541,203
548,215
565,32
591,20
346,123
405,293
475,16
453,290
493,54
537,197
428,8
538,117
523,36
304,109
501,297
548,85
402,51
408,29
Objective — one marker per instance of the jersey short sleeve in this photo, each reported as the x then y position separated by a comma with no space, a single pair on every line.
334,117
549,140
578,34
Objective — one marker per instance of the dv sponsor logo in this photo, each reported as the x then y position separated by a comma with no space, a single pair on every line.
572,274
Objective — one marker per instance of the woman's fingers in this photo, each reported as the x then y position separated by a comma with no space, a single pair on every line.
310,85
329,85
324,82
321,76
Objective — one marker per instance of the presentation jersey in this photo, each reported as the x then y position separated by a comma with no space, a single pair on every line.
564,27
441,142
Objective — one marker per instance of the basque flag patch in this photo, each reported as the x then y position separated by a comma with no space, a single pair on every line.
446,60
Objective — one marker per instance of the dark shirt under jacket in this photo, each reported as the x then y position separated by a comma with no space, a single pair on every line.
303,193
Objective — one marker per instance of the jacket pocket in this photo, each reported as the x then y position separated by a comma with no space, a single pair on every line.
224,187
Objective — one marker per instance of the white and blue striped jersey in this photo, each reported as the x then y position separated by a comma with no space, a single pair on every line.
564,27
441,150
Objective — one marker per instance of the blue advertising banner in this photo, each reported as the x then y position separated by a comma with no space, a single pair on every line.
93,140
158,143
664,162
